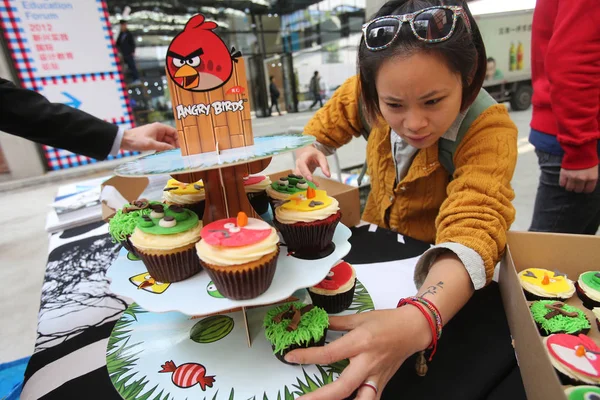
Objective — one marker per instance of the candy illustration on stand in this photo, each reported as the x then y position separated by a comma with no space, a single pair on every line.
188,375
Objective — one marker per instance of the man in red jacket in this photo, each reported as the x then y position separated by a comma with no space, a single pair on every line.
565,66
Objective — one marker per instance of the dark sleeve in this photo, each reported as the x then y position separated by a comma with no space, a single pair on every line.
131,42
30,115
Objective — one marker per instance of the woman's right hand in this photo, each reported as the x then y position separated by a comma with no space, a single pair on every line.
308,159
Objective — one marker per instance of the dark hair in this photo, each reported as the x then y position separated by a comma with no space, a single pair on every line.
491,59
316,73
122,22
463,52
271,77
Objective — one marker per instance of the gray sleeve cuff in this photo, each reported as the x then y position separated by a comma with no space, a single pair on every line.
323,148
469,257
117,143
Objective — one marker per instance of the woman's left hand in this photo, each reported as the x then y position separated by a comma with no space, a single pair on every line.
377,343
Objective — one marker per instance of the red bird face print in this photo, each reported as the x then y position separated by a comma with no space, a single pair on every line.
198,59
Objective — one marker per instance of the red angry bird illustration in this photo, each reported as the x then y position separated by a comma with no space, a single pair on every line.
198,59
187,375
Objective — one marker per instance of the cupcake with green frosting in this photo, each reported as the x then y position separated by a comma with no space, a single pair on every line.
553,316
123,223
165,240
285,187
583,392
588,289
293,326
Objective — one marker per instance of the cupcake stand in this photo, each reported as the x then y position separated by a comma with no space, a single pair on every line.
174,335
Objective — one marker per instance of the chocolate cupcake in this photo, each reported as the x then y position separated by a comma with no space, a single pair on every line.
307,222
240,255
542,284
256,186
588,289
556,317
335,293
123,223
294,326
286,187
575,358
165,241
187,195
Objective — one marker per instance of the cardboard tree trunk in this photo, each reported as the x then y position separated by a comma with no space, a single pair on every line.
223,122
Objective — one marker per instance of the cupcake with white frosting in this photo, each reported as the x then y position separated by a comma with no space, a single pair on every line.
255,187
187,195
165,241
335,293
307,221
240,255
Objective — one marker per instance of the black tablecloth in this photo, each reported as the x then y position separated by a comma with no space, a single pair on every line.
475,359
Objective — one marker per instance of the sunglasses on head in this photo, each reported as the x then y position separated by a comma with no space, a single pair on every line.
431,25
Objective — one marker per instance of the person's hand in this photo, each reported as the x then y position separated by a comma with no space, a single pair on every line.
154,136
308,159
579,180
377,344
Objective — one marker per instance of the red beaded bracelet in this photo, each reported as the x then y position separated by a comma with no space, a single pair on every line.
434,336
434,310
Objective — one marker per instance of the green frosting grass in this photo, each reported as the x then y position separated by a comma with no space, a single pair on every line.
123,224
311,327
558,323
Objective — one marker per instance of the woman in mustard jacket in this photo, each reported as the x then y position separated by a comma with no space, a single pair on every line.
440,154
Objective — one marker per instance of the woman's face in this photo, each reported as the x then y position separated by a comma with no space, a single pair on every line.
419,97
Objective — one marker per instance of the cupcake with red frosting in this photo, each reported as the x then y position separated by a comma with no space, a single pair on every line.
240,255
256,186
336,292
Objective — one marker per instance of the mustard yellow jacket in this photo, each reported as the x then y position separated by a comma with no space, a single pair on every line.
473,208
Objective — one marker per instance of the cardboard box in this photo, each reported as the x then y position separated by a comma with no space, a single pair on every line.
346,195
570,254
129,188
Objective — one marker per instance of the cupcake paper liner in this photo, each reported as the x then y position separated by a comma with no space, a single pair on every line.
259,201
129,247
336,303
172,267
243,284
533,297
280,356
309,236
587,302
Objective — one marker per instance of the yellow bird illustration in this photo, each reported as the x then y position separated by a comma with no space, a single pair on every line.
149,284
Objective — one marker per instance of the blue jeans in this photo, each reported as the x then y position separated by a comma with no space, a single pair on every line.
558,210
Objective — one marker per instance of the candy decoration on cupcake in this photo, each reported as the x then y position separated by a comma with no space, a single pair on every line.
544,284
188,375
583,392
236,232
577,357
167,220
181,188
292,184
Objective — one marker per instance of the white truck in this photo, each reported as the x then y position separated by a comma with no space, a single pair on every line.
506,30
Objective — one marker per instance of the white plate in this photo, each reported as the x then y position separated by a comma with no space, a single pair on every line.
141,343
192,296
170,162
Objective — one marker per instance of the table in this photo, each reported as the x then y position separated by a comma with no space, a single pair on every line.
475,359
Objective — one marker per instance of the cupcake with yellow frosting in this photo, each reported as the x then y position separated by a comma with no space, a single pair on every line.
256,186
188,195
165,241
307,221
240,255
542,284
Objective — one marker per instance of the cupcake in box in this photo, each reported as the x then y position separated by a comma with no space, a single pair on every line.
256,186
307,221
553,316
240,255
576,358
583,392
188,195
286,187
596,312
123,223
542,284
293,326
335,293
165,241
588,289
